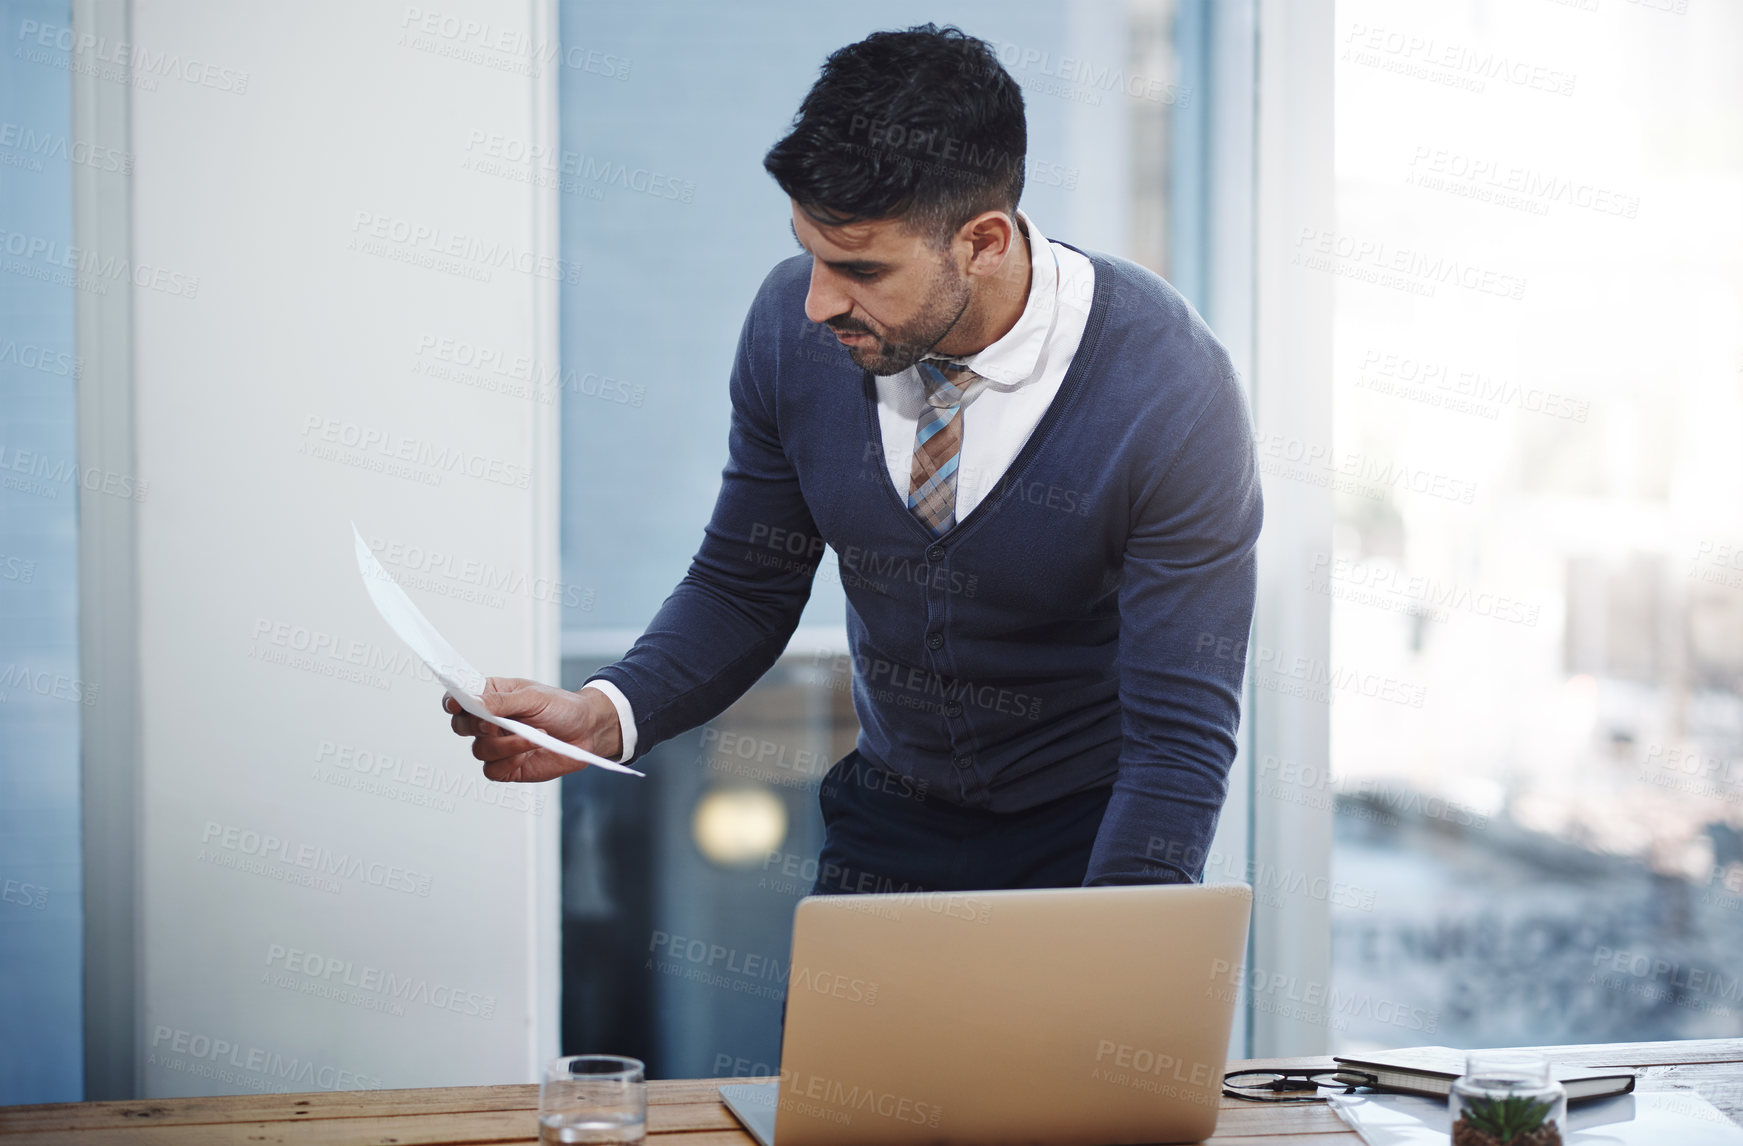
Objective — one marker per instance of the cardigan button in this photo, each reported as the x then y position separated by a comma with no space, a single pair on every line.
954,708
962,761
934,640
935,553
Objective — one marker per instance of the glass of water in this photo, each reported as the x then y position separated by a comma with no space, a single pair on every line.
593,1098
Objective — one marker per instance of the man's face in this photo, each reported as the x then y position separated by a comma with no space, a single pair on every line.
888,295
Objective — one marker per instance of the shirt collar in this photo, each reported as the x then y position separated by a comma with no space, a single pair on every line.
1011,360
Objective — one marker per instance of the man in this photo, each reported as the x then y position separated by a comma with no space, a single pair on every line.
1035,466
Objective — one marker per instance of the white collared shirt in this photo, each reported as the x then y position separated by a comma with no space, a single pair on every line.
1019,376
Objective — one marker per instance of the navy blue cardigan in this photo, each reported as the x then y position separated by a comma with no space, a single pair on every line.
1085,625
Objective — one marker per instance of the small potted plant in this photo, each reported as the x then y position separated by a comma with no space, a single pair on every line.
1507,1098
1512,1120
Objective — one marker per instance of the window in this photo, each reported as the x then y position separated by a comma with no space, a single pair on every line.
1539,548
41,693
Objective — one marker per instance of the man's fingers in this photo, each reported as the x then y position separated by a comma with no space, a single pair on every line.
465,724
506,771
468,725
530,767
493,748
508,756
514,697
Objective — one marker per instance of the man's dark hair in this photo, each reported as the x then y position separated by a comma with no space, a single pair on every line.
922,124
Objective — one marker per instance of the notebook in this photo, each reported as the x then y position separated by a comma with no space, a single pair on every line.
1430,1071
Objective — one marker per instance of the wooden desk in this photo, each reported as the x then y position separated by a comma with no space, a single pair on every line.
686,1113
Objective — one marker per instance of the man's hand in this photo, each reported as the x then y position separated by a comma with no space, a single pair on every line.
586,719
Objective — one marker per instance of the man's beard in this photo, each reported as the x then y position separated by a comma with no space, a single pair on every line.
900,347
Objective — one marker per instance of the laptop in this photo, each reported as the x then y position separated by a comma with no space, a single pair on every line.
1065,1016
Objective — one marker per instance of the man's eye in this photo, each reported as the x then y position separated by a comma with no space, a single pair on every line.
864,276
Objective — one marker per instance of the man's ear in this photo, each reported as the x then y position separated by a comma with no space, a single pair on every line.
988,238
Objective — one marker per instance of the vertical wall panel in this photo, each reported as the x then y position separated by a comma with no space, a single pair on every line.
331,896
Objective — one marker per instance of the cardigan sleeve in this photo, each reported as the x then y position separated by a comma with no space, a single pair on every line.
1186,605
735,610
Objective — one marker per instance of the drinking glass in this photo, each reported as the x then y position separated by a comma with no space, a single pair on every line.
593,1098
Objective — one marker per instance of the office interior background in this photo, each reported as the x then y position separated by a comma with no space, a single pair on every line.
470,274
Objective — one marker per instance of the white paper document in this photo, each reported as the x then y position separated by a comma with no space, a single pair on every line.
1643,1118
463,682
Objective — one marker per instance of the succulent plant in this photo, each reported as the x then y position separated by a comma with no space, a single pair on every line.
1511,1121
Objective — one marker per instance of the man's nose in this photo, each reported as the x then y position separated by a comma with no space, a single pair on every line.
824,300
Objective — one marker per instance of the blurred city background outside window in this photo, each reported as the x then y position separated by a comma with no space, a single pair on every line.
41,693
1538,564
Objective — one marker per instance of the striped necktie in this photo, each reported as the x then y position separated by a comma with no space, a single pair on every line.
938,444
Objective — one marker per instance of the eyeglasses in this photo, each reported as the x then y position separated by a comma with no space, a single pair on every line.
1293,1085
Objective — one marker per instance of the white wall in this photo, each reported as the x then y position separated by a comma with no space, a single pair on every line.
251,611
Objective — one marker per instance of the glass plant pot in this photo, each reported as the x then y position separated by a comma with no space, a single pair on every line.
1507,1098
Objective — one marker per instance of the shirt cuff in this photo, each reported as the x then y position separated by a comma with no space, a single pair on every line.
625,715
